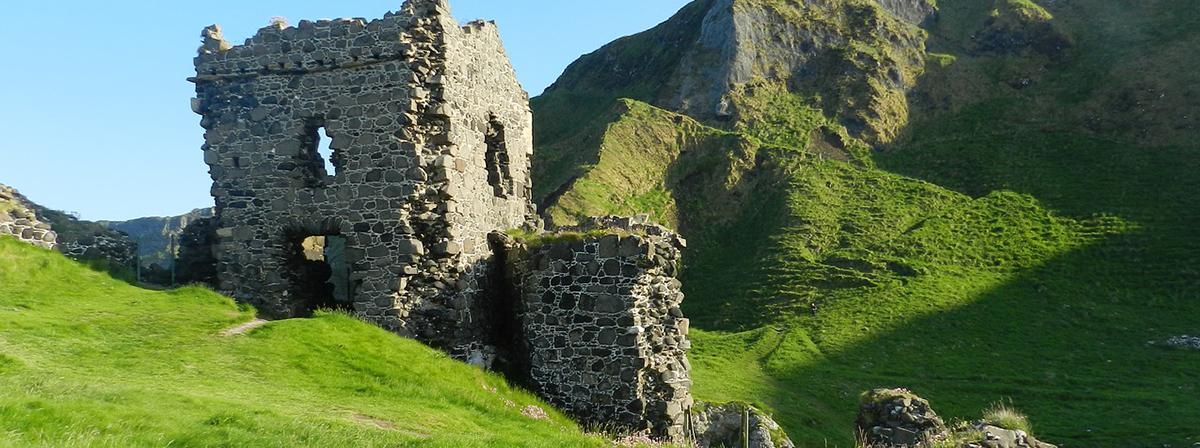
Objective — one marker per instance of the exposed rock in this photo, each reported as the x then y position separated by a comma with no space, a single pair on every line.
722,426
712,60
1019,26
898,418
1184,342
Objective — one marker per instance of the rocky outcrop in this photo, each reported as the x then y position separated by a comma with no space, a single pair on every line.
711,60
898,418
19,219
724,426
1016,26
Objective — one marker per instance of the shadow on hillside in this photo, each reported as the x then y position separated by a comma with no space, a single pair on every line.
1067,342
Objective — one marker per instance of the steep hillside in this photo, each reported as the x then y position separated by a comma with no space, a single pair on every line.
86,360
1021,232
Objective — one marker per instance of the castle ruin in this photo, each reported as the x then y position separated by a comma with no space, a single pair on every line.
430,143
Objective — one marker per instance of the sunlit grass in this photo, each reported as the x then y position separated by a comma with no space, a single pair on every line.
86,360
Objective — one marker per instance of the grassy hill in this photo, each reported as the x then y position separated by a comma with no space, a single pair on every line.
1025,235
86,360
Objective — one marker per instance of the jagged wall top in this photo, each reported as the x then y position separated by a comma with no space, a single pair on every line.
318,45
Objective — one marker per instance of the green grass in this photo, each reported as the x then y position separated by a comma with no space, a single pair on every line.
86,360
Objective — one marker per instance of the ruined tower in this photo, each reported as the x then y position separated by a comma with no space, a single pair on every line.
430,139
400,219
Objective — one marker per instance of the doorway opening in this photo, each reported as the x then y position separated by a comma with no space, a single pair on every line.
319,274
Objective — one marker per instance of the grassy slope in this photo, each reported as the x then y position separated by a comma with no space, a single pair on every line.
1056,237
86,360
968,300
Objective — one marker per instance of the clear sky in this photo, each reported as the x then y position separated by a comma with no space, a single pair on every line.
94,102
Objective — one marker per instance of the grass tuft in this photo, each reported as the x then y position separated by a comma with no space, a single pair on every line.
1004,416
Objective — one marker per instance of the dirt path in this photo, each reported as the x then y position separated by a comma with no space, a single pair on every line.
243,328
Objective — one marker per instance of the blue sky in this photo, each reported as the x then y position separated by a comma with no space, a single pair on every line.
94,102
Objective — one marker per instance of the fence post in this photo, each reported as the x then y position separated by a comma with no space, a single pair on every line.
746,427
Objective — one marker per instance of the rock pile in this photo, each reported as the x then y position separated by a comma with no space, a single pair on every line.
891,418
897,417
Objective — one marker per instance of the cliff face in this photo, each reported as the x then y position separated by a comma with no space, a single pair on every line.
854,59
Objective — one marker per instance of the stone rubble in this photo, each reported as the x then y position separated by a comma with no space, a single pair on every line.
898,418
721,425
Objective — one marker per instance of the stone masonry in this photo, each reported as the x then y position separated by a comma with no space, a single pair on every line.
599,310
18,218
431,139
431,142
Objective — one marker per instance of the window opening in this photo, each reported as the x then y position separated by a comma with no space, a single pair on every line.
496,159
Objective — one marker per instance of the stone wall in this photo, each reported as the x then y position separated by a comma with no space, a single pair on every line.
112,247
598,309
431,139
51,229
18,218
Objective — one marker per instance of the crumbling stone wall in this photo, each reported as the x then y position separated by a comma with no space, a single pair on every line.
599,311
424,116
51,229
18,218
113,247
